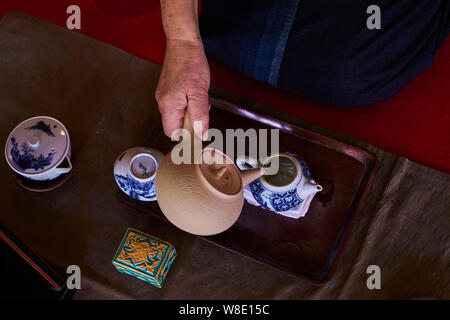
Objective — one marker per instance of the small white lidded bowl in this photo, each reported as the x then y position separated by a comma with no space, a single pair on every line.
39,149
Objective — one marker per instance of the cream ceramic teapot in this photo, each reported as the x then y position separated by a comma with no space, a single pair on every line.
203,197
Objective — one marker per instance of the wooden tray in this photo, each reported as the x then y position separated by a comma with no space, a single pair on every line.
307,247
55,280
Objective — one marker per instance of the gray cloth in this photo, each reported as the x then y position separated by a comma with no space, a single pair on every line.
105,97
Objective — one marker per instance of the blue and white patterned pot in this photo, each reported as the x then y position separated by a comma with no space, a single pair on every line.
135,172
37,148
281,197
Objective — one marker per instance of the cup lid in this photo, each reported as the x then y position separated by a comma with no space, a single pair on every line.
36,145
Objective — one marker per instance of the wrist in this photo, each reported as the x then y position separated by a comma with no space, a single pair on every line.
185,33
195,42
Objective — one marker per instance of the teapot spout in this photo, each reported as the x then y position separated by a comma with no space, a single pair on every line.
250,175
309,188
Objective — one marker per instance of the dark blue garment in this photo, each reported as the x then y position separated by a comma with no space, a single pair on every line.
323,49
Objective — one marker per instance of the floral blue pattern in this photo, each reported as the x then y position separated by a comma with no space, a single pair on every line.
280,201
135,189
305,170
26,159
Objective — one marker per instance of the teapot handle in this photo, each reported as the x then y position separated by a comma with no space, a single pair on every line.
188,126
191,139
67,168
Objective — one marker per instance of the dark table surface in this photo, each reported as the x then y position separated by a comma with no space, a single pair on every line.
105,97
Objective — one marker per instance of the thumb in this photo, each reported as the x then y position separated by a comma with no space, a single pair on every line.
198,109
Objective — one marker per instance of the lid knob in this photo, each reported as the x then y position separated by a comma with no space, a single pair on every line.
33,142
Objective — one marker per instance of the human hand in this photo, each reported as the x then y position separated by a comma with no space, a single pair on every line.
184,82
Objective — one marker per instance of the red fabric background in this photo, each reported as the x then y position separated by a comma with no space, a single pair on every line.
414,124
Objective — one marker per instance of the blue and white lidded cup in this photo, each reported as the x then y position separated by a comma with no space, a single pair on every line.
39,149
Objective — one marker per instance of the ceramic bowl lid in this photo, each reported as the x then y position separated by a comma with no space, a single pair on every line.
37,145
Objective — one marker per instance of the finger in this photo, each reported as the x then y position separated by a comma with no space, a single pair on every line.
172,120
198,108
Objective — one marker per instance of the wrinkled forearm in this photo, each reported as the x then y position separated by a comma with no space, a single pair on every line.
180,19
